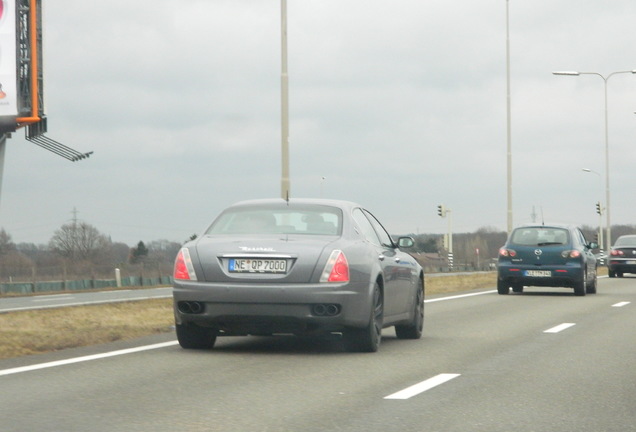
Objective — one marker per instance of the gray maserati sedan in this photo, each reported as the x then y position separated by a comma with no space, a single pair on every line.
298,266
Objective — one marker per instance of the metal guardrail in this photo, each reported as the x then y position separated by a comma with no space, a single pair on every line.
81,285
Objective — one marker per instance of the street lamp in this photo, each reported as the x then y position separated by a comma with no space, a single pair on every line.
284,85
508,127
608,235
599,210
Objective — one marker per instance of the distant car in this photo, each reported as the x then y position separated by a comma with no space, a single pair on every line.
622,256
547,256
302,267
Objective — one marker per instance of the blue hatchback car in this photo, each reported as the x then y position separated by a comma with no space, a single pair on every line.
547,256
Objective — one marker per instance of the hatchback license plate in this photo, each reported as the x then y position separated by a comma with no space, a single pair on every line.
259,265
538,273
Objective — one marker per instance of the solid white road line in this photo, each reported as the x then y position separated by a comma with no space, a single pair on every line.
459,296
559,328
422,386
85,358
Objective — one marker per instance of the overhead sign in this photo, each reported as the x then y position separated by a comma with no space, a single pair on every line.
8,69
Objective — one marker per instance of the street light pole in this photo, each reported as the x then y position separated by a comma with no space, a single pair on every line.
285,183
508,125
608,233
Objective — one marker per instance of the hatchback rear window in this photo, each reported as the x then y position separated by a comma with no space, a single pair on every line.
313,220
626,241
540,236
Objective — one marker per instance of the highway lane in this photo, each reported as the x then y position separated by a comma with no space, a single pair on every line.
500,371
12,304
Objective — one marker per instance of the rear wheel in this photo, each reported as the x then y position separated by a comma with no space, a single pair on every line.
581,285
368,339
502,287
195,337
413,330
591,287
611,273
517,288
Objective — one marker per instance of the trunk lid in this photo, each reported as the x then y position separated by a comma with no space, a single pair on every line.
263,259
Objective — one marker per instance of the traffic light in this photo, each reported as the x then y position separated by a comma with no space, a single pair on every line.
441,210
598,208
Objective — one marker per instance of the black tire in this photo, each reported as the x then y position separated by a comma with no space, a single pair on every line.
581,286
413,330
368,339
591,287
503,288
517,288
611,273
195,337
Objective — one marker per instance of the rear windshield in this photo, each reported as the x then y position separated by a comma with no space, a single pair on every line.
626,241
313,220
540,236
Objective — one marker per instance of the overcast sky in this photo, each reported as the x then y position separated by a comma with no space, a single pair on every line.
399,105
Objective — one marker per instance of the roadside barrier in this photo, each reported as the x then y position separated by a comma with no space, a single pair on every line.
80,285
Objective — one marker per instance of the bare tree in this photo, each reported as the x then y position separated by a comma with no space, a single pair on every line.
78,241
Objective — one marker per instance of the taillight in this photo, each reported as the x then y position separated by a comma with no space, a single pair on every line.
183,268
507,252
570,254
336,269
615,252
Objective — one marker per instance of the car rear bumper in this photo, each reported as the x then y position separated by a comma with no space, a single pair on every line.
560,276
623,266
265,309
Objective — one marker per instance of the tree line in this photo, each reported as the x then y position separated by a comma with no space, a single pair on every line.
80,249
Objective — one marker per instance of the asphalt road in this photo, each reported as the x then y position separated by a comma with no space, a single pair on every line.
542,361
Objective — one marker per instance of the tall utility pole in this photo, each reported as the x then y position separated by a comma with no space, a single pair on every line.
284,85
508,125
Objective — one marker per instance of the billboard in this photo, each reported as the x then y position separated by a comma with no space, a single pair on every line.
8,69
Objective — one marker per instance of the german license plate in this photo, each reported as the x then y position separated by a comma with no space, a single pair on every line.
538,273
257,265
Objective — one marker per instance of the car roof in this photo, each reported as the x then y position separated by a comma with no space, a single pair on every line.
627,236
297,201
544,225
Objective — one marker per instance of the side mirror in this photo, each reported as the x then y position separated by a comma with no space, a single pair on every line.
405,242
592,245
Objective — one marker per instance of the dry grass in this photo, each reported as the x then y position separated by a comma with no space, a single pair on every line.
39,331
446,283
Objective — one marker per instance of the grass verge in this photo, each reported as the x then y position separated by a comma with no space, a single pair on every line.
39,331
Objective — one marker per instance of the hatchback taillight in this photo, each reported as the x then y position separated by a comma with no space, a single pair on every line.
570,254
183,268
615,252
507,252
336,269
